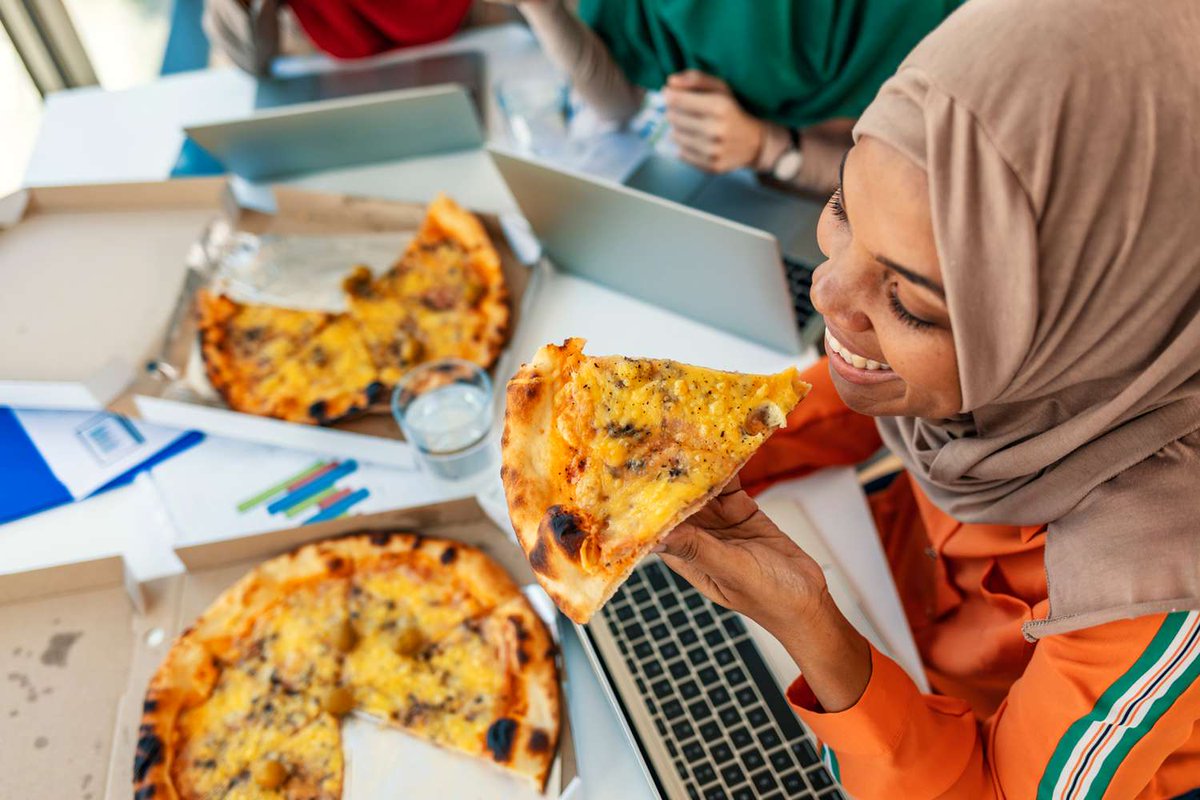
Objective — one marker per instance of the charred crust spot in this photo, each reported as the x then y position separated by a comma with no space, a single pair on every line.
539,741
448,555
381,538
319,411
519,628
532,390
144,793
149,705
335,563
417,541
551,651
374,390
149,753
567,531
500,736
539,557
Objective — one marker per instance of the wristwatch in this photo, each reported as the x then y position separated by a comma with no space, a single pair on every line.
787,166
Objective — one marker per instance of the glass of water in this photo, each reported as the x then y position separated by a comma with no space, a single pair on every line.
444,408
535,109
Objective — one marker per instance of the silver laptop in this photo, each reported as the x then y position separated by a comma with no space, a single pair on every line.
790,218
698,698
706,267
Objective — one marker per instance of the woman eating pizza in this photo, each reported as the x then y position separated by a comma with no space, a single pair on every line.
1012,293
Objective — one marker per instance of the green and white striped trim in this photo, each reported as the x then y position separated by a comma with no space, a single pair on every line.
1096,744
831,762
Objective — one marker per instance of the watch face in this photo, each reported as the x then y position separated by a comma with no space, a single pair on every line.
788,165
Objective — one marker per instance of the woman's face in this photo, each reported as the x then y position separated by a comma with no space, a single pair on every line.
881,292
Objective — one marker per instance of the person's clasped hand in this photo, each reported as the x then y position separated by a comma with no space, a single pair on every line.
711,129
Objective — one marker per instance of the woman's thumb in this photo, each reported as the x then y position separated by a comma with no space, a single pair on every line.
689,549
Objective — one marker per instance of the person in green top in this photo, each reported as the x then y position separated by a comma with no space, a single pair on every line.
774,85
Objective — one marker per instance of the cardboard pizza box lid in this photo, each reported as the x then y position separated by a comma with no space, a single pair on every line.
90,276
79,642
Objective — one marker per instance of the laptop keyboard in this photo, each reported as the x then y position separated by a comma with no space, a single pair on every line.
799,278
727,726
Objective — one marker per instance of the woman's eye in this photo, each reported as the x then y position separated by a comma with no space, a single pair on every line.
903,314
835,205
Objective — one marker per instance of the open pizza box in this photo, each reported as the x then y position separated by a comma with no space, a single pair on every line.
100,283
79,643
98,279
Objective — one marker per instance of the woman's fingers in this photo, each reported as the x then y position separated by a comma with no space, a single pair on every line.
689,102
695,80
699,558
694,139
726,512
703,160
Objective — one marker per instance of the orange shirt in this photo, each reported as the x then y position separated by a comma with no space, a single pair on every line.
1110,711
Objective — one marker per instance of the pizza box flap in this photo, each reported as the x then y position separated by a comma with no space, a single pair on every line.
66,645
90,276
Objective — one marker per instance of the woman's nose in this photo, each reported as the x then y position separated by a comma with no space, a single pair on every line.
838,297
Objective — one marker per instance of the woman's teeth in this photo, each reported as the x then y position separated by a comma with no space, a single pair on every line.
854,358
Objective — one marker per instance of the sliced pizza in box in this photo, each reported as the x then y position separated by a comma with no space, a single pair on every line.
604,455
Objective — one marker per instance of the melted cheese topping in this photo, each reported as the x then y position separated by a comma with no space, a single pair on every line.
447,693
404,603
646,438
407,643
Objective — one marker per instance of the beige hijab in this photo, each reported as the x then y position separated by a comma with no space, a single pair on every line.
1062,145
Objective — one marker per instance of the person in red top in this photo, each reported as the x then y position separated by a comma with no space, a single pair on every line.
248,31
1012,299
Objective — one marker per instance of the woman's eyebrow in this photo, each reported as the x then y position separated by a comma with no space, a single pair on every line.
911,276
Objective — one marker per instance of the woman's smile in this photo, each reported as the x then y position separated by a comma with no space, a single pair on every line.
854,367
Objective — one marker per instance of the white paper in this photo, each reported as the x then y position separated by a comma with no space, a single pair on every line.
86,449
202,487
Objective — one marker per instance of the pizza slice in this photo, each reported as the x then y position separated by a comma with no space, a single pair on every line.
603,456
487,688
385,323
451,281
244,343
330,378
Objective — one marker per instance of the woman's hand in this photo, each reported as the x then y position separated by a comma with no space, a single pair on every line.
711,129
737,557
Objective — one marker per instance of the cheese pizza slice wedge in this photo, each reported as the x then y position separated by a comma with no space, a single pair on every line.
603,456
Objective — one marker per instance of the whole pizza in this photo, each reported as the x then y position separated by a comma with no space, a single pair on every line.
427,635
446,296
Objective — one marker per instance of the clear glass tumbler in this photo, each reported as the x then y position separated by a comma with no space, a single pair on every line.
444,408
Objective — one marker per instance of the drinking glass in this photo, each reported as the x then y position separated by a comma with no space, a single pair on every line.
444,408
